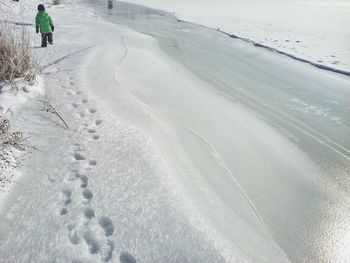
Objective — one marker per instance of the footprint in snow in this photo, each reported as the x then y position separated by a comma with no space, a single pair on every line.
106,251
107,225
92,110
63,211
125,257
51,178
84,101
79,157
67,196
93,162
89,213
104,248
73,234
95,137
98,122
66,199
83,180
87,195
92,243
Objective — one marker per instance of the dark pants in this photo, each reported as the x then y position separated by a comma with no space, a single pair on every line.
46,37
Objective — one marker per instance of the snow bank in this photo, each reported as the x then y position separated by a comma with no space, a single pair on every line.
308,29
95,192
11,100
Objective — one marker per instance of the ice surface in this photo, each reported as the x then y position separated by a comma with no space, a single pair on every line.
269,164
315,30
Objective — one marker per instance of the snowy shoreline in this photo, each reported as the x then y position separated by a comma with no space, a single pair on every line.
269,48
314,31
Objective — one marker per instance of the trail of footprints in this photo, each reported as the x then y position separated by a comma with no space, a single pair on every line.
85,227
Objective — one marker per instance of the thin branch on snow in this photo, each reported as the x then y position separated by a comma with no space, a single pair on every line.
49,108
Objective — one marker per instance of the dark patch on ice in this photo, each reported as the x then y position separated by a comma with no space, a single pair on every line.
96,137
92,110
107,225
78,92
125,257
98,122
84,100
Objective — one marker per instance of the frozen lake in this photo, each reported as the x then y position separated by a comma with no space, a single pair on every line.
259,142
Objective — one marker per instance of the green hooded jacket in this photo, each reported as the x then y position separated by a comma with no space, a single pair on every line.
44,22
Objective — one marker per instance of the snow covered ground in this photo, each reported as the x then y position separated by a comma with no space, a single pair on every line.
92,193
315,30
180,148
100,191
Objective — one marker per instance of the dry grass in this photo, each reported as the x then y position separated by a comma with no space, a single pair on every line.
8,138
16,59
12,145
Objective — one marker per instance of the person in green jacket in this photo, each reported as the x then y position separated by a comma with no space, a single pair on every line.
44,22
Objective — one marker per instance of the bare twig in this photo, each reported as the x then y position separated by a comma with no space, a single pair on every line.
49,108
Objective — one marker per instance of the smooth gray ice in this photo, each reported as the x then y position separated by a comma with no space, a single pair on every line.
292,187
